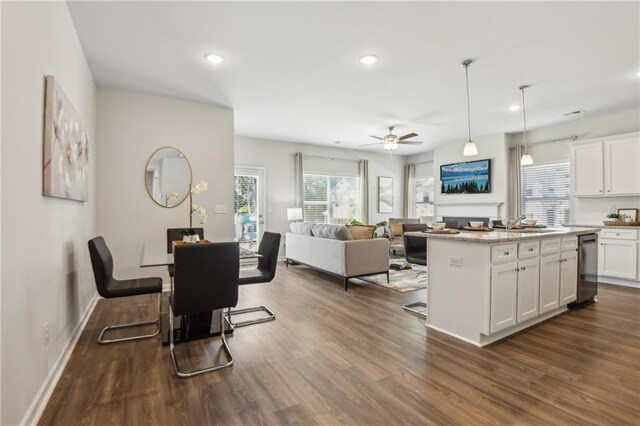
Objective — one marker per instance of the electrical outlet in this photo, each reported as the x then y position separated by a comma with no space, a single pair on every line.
46,332
455,261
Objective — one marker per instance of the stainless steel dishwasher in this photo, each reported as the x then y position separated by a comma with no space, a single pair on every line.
587,269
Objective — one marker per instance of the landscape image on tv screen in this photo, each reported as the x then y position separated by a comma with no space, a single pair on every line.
473,177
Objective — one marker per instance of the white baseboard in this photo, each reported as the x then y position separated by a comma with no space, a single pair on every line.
33,414
618,281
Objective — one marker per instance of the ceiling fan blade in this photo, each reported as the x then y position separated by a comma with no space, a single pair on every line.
369,144
410,143
408,136
376,137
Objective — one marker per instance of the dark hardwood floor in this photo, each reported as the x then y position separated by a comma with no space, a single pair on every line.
336,357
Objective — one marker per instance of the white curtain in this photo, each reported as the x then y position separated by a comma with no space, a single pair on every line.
363,174
298,178
409,192
515,182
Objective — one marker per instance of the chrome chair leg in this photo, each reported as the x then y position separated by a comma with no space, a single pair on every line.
421,313
225,346
270,316
103,341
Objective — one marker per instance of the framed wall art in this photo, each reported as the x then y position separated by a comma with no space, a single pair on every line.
65,165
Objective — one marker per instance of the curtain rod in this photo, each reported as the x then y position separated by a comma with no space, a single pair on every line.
571,138
332,158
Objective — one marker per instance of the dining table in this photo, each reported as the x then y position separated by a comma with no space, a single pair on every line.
191,326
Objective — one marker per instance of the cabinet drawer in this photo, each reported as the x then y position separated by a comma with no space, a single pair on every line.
619,234
528,249
503,252
551,245
569,243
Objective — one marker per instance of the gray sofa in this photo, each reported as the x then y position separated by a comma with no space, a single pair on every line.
332,249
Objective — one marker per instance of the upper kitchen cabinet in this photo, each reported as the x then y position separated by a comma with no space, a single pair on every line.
606,166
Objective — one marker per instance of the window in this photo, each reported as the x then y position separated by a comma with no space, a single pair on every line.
331,199
546,193
423,197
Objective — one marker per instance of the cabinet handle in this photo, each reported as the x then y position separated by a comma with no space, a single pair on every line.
599,190
517,269
531,249
601,244
523,268
608,190
506,253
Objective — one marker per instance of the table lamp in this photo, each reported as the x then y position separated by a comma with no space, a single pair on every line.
294,214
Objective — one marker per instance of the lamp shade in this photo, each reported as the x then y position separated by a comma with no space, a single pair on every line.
294,213
470,149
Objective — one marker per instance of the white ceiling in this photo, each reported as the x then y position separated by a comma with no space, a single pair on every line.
292,71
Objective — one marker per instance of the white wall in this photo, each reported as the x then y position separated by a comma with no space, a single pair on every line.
492,204
130,127
277,158
584,211
46,274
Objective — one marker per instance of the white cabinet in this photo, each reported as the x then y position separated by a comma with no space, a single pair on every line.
622,166
528,289
504,290
568,276
618,258
606,166
549,282
587,163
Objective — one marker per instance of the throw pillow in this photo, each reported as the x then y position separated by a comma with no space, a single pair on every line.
334,232
362,232
302,228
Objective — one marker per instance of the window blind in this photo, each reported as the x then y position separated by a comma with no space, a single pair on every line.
330,199
546,193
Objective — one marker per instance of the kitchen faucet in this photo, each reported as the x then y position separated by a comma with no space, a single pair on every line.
510,223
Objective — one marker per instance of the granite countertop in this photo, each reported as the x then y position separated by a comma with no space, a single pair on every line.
602,226
507,236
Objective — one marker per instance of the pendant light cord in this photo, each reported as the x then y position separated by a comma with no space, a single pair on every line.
466,72
524,119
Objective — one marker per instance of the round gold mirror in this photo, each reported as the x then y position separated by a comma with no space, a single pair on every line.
168,177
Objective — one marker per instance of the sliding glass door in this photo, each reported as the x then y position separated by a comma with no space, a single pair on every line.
248,206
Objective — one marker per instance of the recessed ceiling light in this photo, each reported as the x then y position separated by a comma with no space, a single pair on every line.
514,108
638,73
214,58
369,59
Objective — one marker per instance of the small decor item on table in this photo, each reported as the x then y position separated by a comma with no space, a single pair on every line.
190,236
628,215
624,217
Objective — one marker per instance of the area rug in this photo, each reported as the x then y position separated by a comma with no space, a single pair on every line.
403,281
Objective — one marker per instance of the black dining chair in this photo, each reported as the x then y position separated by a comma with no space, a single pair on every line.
415,248
264,273
175,234
109,287
206,279
415,251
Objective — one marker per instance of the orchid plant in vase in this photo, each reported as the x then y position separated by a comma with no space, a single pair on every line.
190,234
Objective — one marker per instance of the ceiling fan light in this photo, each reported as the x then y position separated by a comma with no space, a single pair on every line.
526,160
390,146
470,149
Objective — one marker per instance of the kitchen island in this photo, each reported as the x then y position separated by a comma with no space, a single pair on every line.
484,286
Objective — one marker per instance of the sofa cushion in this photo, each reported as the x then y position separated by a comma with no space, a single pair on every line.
362,232
333,232
301,228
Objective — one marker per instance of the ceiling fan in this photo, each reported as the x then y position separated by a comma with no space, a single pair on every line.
391,141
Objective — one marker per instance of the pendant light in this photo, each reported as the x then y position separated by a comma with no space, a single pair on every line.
526,159
470,148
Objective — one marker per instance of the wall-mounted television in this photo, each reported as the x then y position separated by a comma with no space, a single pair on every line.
471,177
